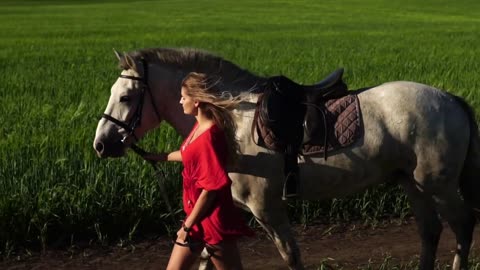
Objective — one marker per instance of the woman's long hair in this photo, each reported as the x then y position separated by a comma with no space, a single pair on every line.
216,105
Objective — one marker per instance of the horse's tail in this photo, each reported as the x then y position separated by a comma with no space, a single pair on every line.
470,176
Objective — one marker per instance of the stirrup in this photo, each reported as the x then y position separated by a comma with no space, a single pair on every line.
290,187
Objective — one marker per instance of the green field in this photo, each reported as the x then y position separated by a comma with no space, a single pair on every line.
57,66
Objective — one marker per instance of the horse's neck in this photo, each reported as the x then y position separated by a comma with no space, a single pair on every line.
183,123
245,114
167,88
244,83
174,115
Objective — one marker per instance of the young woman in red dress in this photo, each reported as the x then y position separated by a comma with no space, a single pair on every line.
212,220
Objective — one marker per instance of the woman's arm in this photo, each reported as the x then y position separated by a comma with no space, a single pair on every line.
173,156
203,204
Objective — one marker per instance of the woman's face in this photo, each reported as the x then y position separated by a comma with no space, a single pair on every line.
188,103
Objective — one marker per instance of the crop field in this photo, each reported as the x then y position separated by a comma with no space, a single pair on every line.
57,66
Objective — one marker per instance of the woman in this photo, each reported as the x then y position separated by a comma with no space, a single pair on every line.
212,219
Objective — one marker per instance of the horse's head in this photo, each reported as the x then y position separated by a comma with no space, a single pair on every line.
131,110
139,102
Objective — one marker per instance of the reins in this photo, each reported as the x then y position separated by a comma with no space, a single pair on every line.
160,173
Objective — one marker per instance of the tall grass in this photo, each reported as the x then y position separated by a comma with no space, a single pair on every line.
57,65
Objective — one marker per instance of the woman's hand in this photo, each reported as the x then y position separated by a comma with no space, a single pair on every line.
182,235
154,157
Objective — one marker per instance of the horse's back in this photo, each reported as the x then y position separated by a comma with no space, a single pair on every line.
409,128
428,129
411,111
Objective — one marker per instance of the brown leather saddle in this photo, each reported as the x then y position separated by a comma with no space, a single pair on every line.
306,119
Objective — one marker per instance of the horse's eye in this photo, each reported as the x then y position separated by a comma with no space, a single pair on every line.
124,99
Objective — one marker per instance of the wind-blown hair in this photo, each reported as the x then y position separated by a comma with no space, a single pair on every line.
216,105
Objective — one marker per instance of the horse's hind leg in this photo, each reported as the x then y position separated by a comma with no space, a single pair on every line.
428,222
461,220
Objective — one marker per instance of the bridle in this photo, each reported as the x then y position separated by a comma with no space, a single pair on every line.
137,117
135,122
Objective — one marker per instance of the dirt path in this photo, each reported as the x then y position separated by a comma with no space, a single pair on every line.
349,246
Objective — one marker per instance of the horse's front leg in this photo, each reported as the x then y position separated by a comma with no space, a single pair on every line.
205,262
277,225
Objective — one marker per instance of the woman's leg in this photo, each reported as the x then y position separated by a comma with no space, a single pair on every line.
225,256
182,257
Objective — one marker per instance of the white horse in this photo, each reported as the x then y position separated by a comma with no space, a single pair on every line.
425,139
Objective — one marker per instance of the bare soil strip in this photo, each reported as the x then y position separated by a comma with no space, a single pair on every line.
349,246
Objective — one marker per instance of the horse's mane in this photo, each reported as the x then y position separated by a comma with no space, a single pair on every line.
188,59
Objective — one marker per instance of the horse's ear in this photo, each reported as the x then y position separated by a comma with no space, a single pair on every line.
118,55
130,62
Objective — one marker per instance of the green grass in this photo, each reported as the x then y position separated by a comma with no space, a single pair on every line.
57,66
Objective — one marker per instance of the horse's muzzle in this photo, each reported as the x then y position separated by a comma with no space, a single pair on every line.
106,149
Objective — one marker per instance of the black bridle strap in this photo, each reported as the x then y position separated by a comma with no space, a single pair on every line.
117,122
132,78
136,119
144,79
147,86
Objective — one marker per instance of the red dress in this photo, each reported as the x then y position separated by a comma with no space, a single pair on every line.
204,168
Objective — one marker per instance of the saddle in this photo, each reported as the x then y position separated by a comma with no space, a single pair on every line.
306,119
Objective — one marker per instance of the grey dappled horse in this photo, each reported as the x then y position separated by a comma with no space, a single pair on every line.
425,139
